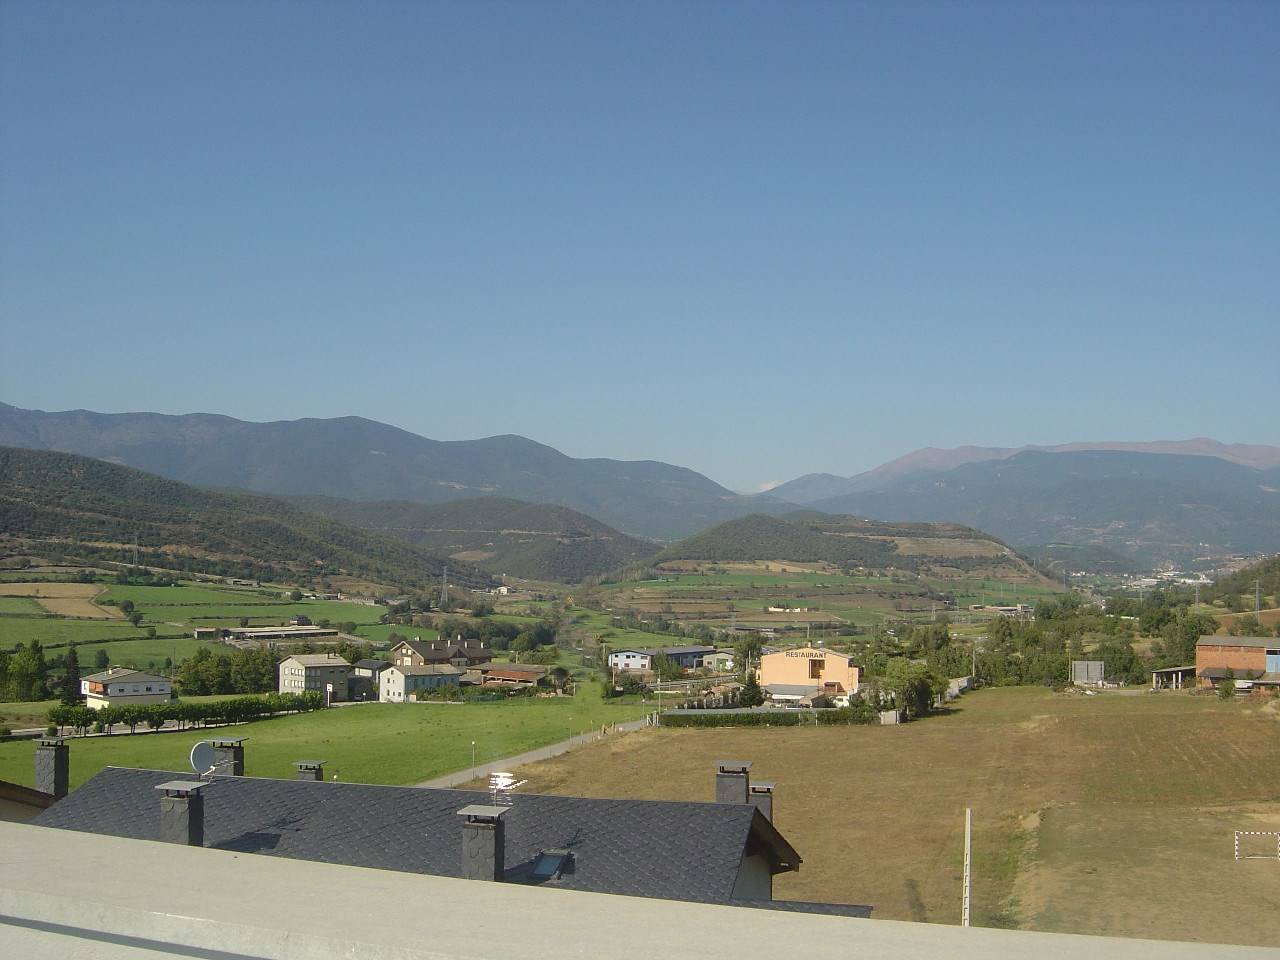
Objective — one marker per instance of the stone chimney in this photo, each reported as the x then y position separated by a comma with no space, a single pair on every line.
182,812
310,770
733,781
228,756
483,842
53,766
761,794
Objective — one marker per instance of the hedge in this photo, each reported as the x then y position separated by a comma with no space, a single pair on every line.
772,718
234,710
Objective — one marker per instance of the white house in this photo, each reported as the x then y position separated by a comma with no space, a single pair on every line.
631,659
398,683
305,672
121,686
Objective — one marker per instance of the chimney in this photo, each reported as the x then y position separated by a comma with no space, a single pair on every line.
733,779
228,756
483,842
761,794
53,765
182,812
312,770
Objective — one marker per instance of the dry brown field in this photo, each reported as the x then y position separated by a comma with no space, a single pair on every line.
1270,619
1110,814
64,599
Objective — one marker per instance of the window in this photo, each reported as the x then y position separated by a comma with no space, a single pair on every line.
815,669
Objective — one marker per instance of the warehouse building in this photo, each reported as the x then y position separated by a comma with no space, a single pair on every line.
1250,661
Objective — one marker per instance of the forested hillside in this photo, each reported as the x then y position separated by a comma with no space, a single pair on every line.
504,536
91,508
811,537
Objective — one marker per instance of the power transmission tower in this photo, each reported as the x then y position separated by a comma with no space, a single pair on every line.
444,589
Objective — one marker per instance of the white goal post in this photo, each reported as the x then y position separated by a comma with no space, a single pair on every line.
1270,855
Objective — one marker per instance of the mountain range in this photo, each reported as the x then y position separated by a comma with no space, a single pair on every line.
357,459
1168,501
813,487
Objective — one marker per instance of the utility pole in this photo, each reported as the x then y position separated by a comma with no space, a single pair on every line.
1257,596
968,847
444,588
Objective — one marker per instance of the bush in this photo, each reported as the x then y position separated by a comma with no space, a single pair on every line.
4,732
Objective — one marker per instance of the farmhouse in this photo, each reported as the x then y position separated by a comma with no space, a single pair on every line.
398,684
803,672
462,654
120,686
315,671
1250,661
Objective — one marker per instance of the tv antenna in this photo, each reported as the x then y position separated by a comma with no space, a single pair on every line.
203,759
501,786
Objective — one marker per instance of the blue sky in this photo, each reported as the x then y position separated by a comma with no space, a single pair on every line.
758,240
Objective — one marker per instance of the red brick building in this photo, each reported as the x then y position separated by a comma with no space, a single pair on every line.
1251,661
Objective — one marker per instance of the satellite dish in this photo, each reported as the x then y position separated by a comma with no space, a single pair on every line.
203,759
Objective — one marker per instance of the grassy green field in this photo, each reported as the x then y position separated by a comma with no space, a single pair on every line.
21,605
28,713
378,632
143,596
374,743
60,630
1109,814
140,653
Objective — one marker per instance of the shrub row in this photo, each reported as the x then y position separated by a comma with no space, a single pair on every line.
772,718
235,710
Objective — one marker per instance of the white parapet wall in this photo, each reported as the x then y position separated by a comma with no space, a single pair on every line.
66,895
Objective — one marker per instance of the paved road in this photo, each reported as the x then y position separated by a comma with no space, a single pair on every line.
532,756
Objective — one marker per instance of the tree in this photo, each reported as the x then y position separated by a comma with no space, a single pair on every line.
751,694
1227,686
136,617
665,668
70,687
295,595
126,607
913,686
101,661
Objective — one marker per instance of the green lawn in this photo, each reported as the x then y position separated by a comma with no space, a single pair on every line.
21,605
30,713
374,743
140,653
146,596
55,630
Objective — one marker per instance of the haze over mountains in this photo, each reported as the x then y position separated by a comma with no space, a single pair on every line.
1151,502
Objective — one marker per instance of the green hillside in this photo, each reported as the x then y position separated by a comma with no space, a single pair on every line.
91,508
811,537
499,534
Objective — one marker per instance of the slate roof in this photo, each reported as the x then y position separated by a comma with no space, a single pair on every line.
317,660
1215,641
428,670
371,664
116,674
647,848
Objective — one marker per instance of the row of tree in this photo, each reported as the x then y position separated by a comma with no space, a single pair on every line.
81,719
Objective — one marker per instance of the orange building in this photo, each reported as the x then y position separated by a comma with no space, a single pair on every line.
799,674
